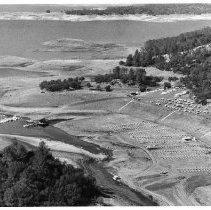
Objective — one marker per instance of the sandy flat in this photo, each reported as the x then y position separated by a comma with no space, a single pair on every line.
53,145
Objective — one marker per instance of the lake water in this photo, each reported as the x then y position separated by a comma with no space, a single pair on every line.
49,132
23,37
11,72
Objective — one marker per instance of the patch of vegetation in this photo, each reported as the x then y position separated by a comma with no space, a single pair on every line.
59,85
167,85
108,88
36,178
130,77
149,9
173,79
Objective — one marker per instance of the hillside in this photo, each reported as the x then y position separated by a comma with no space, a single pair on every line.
188,54
149,9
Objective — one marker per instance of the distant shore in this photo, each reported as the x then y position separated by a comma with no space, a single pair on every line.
81,18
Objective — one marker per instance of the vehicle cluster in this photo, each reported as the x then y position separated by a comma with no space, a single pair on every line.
181,105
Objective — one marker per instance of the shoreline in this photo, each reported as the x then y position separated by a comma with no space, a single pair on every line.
56,16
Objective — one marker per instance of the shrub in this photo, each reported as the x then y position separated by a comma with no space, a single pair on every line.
121,63
88,85
58,85
172,79
142,88
98,87
108,88
167,85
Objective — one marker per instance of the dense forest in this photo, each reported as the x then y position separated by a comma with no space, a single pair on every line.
199,81
36,178
188,54
149,9
155,51
181,43
59,85
130,76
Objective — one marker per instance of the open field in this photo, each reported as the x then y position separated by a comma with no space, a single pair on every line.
168,159
157,155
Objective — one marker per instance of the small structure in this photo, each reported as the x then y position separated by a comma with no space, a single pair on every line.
116,82
42,122
71,89
166,85
163,172
188,138
84,83
178,84
96,87
9,119
153,147
133,94
92,78
116,178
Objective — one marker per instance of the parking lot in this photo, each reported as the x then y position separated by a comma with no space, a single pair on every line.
174,99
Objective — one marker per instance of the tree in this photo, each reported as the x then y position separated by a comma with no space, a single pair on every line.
98,87
82,78
89,85
116,72
172,79
121,63
132,75
129,60
136,58
14,152
108,88
167,85
140,75
204,102
142,88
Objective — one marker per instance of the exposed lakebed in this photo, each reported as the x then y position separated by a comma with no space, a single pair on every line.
95,168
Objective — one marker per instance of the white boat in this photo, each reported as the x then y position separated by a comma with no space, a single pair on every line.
116,178
9,119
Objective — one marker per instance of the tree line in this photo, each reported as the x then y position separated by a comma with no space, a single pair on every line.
149,9
36,178
181,43
165,52
59,85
